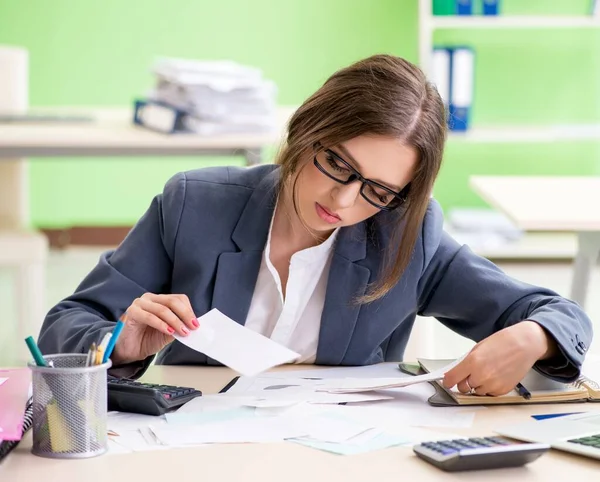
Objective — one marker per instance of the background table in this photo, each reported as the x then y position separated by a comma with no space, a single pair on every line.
567,204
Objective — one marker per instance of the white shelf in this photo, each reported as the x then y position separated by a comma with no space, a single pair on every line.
477,22
529,134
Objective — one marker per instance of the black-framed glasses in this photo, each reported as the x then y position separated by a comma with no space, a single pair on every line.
378,195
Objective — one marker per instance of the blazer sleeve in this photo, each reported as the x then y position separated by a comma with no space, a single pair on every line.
473,297
142,263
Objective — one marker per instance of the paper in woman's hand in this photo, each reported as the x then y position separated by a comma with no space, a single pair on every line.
245,351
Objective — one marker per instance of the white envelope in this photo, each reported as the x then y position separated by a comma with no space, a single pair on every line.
241,349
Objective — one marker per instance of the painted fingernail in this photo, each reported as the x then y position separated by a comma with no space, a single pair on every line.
195,323
171,330
185,331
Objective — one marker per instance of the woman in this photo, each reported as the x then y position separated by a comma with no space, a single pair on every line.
332,252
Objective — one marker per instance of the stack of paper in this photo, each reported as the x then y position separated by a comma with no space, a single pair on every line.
219,96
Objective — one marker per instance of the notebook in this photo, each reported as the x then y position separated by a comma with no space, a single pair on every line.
14,393
542,389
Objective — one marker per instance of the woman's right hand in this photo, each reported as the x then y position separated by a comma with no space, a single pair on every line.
150,323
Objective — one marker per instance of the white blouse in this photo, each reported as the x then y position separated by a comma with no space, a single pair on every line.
296,320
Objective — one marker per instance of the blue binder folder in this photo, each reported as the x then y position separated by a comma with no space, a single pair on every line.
491,7
464,7
158,116
462,69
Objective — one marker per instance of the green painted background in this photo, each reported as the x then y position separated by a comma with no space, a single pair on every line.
84,52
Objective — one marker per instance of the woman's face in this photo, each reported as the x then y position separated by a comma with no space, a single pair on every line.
325,204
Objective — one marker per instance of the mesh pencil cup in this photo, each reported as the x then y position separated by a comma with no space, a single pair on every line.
69,407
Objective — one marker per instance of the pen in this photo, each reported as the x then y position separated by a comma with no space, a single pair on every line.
521,390
92,354
99,353
102,349
113,340
35,352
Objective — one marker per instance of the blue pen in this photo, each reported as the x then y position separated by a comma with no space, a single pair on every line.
113,339
546,416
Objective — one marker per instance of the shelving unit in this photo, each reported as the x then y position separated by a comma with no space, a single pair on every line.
556,246
474,21
429,23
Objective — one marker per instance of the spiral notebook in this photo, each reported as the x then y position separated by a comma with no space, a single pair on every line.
542,389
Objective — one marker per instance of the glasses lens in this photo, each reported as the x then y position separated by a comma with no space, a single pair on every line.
377,195
333,166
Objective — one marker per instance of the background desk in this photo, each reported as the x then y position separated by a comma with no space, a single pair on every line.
110,133
286,461
567,204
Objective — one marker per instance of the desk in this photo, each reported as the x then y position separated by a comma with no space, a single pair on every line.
286,461
564,204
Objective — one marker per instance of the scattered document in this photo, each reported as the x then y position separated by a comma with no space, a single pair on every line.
245,351
379,370
274,391
123,421
379,442
355,385
256,430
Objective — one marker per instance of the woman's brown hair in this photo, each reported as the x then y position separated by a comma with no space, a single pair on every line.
381,95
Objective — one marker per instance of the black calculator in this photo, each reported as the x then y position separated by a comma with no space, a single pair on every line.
125,395
479,453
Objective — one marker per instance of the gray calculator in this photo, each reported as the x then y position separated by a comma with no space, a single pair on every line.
479,453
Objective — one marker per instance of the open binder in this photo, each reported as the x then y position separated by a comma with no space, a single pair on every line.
542,389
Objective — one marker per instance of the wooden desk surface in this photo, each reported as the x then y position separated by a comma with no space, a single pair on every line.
557,203
287,461
111,132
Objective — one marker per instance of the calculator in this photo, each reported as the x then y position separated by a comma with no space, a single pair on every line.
125,395
479,453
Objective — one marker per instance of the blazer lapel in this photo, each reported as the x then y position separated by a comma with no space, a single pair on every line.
346,282
237,271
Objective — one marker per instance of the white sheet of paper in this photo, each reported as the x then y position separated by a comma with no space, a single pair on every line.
235,346
234,431
379,442
356,385
123,421
379,370
2,380
133,441
273,391
326,428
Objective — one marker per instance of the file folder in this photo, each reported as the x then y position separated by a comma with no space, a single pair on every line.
464,7
462,68
14,393
158,116
441,73
491,7
444,7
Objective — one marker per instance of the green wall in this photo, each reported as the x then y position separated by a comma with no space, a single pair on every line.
98,53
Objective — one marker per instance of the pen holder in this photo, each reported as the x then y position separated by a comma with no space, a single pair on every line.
69,407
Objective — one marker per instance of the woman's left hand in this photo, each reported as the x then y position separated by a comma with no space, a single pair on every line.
496,364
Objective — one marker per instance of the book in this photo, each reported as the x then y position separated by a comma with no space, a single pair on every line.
542,389
6,446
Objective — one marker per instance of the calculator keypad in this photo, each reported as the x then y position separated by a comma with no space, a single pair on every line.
448,447
478,453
